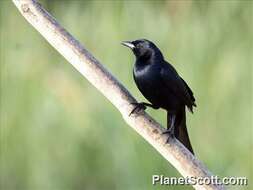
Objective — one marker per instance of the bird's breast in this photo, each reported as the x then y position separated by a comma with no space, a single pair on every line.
149,82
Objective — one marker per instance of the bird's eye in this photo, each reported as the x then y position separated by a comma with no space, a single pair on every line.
138,46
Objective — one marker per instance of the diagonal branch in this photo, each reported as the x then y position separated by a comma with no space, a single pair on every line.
113,90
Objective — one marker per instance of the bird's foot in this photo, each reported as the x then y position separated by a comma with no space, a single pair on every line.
171,134
138,107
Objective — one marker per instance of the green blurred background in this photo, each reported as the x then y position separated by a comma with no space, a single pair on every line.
59,133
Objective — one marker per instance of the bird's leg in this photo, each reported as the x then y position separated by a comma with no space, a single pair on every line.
171,129
141,106
149,105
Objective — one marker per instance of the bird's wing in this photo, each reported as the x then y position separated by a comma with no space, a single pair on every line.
177,86
189,91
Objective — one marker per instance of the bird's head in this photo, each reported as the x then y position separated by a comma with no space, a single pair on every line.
143,49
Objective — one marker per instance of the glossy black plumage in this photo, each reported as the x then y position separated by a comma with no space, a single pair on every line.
161,85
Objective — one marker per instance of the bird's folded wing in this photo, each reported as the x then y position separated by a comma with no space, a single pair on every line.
177,86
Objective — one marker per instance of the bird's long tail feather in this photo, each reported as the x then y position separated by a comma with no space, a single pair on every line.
180,129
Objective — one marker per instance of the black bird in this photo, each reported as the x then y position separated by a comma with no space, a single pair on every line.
162,86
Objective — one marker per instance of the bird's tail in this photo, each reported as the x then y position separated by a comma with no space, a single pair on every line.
181,131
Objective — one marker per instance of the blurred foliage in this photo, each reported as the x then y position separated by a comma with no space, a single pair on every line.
58,132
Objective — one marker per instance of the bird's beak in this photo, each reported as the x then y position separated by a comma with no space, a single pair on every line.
128,44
